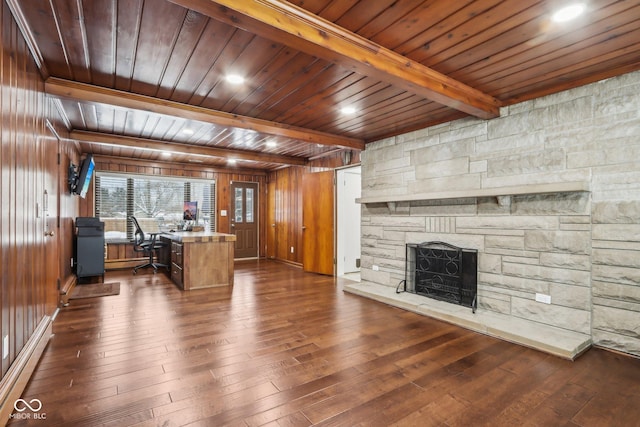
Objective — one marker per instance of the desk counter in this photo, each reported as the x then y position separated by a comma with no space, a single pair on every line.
201,259
199,236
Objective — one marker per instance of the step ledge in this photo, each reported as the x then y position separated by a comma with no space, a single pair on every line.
549,339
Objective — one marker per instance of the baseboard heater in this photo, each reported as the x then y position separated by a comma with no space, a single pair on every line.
442,271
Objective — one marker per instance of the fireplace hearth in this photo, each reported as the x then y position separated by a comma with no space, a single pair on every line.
442,271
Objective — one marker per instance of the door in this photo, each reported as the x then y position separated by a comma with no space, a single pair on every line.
51,216
244,218
318,220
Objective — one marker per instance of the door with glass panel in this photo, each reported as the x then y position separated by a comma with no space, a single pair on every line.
244,218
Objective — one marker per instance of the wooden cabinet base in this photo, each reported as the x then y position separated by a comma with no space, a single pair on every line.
201,259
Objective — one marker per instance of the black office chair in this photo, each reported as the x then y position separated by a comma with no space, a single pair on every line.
149,247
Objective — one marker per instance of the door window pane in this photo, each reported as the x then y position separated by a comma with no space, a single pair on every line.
238,205
249,205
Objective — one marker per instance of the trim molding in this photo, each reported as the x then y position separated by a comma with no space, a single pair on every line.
16,378
67,289
16,11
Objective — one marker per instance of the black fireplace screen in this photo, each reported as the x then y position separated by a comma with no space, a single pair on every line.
443,271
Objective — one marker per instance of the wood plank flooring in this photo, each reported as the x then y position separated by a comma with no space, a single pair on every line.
287,348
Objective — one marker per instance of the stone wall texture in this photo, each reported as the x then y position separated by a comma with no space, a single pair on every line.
581,248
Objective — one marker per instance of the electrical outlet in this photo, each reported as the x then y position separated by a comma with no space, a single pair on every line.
5,347
291,249
543,298
375,268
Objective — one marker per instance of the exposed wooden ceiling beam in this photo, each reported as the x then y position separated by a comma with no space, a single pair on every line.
97,94
293,26
151,144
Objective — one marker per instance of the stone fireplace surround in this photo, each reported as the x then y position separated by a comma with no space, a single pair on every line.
549,195
507,230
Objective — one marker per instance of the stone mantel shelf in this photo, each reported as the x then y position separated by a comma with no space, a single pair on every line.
502,193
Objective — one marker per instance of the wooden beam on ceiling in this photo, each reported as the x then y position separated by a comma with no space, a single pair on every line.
101,95
155,145
293,26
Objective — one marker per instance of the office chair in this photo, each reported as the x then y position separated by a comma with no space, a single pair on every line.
149,247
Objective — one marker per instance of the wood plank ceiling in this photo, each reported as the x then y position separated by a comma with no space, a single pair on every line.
137,78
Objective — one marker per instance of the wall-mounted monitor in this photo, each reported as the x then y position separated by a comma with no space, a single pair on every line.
190,212
79,182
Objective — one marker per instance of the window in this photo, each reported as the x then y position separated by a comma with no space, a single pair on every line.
243,205
156,202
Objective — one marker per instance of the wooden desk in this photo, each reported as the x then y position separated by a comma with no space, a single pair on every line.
201,259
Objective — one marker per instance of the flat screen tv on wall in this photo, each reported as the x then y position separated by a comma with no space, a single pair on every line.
79,182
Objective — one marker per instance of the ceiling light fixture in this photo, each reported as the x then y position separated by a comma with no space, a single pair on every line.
187,131
348,110
569,12
232,161
235,79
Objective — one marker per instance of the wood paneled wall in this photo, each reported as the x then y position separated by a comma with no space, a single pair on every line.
287,204
30,262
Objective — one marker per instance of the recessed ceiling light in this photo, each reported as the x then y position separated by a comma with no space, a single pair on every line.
569,12
235,79
348,110
271,144
187,131
166,154
232,161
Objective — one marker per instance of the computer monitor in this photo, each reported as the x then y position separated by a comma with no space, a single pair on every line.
79,182
190,212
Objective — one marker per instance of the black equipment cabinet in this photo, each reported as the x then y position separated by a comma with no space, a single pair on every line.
89,247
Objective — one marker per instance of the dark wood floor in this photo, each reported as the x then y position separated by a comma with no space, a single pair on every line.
286,348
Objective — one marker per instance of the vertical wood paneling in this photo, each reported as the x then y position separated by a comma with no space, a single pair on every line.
29,166
288,214
288,200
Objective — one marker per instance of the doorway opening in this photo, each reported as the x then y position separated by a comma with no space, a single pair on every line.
348,215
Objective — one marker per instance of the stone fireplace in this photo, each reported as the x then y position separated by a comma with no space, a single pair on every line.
548,194
442,271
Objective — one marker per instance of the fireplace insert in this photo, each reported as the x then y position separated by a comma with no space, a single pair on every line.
442,271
